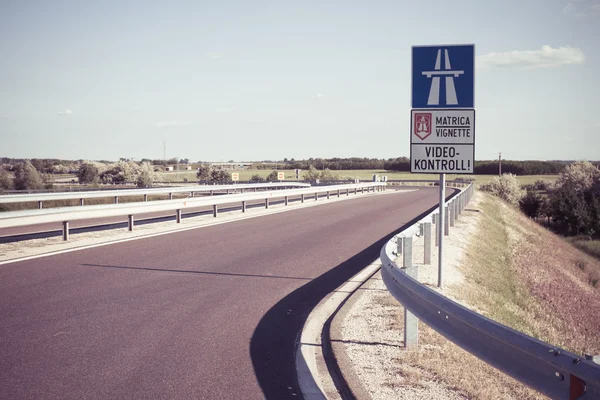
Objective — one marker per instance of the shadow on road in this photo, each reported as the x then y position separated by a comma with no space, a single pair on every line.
273,344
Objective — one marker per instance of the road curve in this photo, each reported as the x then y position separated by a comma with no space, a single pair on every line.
207,313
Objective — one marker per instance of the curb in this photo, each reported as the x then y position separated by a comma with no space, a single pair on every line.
319,375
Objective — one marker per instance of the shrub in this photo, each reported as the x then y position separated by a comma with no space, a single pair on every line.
27,177
272,177
257,178
542,185
312,174
506,187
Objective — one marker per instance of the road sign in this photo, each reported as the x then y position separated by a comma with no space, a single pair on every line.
442,141
281,176
443,76
297,171
235,176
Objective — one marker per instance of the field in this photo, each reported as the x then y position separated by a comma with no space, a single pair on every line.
246,174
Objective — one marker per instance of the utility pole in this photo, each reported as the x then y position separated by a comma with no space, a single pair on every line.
500,164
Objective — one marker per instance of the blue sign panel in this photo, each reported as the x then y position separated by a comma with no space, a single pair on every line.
443,76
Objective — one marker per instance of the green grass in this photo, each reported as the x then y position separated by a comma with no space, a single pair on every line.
591,247
490,260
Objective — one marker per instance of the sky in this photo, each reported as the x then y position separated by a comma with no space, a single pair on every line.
258,80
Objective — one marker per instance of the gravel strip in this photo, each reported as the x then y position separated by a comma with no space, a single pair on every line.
367,334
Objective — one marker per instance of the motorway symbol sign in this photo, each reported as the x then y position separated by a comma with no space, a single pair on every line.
235,176
281,176
442,141
443,76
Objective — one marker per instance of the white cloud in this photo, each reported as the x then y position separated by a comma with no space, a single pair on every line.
66,111
530,59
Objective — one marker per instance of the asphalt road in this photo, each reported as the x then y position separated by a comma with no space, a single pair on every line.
211,313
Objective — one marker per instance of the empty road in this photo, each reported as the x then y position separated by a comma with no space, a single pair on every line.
209,313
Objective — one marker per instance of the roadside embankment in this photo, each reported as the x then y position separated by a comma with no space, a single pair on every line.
499,264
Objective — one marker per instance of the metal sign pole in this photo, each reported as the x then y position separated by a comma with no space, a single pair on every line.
440,226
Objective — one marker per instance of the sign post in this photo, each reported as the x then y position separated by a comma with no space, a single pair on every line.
442,123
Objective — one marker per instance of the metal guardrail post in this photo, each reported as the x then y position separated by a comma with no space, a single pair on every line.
130,223
145,197
399,244
116,199
427,243
446,222
451,213
328,195
40,205
215,210
65,230
170,196
347,192
192,195
339,193
266,203
436,222
455,205
178,216
411,322
316,196
243,206
81,202
286,200
212,192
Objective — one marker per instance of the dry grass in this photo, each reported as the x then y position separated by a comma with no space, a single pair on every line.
524,276
437,360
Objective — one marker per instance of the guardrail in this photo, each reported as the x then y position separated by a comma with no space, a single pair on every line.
548,369
12,219
81,196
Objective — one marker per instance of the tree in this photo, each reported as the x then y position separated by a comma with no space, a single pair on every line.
581,175
147,175
203,173
121,172
27,177
531,204
6,182
88,173
219,175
